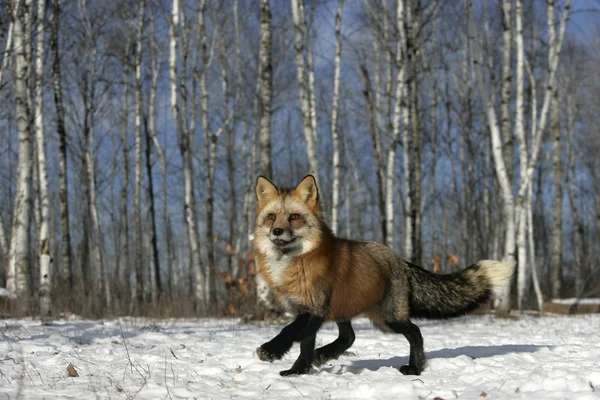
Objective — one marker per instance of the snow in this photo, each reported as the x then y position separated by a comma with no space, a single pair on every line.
576,300
530,357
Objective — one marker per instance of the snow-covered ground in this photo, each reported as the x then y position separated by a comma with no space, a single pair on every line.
549,357
576,300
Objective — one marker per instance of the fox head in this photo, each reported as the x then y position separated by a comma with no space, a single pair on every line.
288,221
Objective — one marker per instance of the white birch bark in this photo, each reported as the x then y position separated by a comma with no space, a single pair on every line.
17,277
266,85
185,146
45,287
400,103
334,118
303,85
528,165
311,79
407,142
520,134
8,43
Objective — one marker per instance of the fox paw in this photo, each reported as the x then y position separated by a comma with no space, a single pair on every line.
266,354
321,357
295,371
409,370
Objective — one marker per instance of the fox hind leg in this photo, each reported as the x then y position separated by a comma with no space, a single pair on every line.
336,348
416,360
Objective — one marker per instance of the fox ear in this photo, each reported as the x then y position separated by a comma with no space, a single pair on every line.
265,191
307,190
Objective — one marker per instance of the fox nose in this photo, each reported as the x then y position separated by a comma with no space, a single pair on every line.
277,231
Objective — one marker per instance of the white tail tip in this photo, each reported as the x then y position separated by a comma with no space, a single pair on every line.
498,272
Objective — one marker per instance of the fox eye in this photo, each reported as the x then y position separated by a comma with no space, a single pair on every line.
294,216
271,217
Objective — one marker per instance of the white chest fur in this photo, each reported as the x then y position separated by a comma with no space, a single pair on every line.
277,267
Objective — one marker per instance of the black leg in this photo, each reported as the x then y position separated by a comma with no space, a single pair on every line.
412,333
280,344
307,347
335,349
302,364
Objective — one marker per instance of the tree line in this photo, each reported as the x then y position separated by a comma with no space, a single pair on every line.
133,133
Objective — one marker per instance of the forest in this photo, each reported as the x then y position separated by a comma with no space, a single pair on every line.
132,133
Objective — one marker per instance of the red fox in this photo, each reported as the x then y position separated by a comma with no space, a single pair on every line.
321,277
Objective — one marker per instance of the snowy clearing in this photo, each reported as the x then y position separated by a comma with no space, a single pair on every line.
549,357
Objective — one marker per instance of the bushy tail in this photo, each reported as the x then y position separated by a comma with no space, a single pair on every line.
446,296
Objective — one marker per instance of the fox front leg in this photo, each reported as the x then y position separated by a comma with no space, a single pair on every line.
306,337
280,344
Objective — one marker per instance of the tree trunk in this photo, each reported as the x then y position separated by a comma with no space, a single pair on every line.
210,149
45,260
334,118
556,169
409,171
266,87
379,159
534,273
507,39
140,260
400,102
18,274
67,274
154,70
9,40
520,134
185,148
571,185
125,182
155,283
304,86
413,55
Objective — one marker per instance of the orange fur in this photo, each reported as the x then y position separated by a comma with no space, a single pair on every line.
337,278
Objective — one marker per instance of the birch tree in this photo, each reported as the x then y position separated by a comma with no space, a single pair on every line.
45,286
264,85
515,210
400,108
8,44
184,139
17,277
334,118
520,134
304,87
